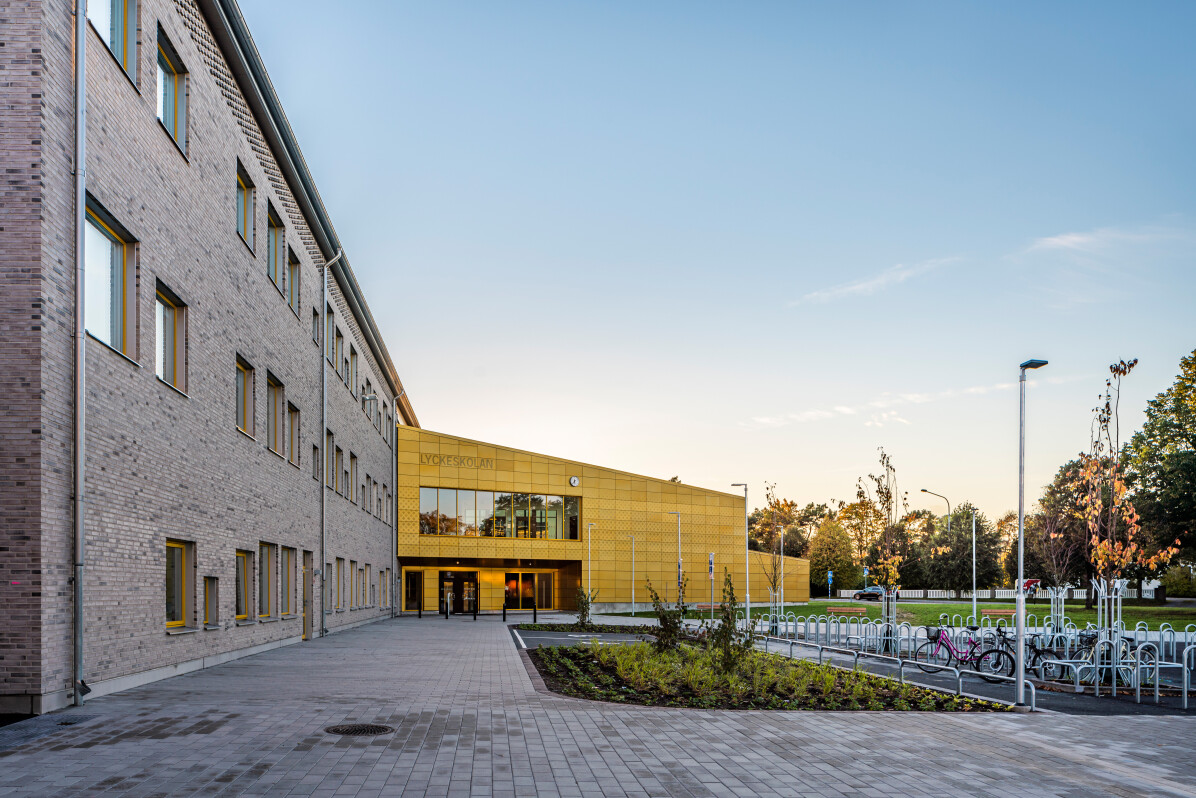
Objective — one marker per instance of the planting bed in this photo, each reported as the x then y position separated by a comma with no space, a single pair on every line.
636,673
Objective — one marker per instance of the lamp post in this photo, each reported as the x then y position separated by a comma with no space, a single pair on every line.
671,512
747,570
632,575
1020,674
944,498
589,561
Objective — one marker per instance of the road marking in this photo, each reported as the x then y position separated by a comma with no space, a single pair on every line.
515,632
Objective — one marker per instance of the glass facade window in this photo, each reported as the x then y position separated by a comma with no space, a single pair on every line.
245,201
172,92
106,294
116,22
451,511
485,512
171,350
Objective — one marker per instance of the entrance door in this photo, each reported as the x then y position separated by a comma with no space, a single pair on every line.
414,591
307,608
463,585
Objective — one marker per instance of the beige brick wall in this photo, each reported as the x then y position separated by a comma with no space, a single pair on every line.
160,463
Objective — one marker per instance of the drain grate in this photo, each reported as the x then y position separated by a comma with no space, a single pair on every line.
359,729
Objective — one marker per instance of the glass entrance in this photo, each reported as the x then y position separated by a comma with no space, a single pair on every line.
462,587
527,590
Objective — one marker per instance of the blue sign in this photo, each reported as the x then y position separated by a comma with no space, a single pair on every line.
830,577
865,570
712,565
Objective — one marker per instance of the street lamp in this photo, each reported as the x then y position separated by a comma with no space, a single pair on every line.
671,512
944,498
589,561
747,568
632,575
1020,674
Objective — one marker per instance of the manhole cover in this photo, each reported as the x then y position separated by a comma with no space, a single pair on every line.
359,729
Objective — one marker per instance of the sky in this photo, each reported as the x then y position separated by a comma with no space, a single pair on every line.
754,242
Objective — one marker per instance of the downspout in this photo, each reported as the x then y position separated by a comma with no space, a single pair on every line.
324,443
394,503
80,341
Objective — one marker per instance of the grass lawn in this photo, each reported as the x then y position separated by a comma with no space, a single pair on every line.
637,673
920,614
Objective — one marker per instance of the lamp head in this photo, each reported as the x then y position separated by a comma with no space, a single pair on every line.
1033,364
925,491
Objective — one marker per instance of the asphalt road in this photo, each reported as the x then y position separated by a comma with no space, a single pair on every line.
1063,700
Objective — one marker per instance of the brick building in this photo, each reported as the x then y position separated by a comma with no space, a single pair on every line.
228,507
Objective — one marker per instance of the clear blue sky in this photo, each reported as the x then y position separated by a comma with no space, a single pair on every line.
756,241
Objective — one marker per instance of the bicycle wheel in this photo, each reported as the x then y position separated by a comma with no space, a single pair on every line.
1048,666
932,656
995,662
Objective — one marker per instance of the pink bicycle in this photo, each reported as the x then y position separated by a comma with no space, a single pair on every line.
940,652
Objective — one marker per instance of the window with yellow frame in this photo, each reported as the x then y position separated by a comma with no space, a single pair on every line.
275,269
116,23
176,583
286,582
109,295
170,327
265,580
293,428
211,602
246,197
275,414
172,92
244,581
244,397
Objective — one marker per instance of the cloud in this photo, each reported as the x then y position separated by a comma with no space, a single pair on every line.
879,410
1103,238
894,275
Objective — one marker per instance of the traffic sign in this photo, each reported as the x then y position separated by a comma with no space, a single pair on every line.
830,577
712,565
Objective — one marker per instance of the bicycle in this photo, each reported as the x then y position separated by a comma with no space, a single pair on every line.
1043,660
940,652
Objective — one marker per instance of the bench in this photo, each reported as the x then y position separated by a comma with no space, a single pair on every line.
998,613
861,611
704,607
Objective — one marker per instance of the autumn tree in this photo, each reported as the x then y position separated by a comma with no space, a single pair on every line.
880,492
1116,543
831,550
863,524
950,565
1160,463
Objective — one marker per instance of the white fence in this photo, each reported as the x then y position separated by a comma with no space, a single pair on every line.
1074,594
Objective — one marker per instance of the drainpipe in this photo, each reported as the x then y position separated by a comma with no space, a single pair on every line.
80,341
340,253
394,501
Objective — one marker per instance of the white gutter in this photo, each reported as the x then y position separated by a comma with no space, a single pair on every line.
80,450
323,336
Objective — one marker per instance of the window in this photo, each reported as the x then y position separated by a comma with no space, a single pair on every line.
330,466
275,414
176,583
315,461
367,496
451,511
286,582
338,467
365,403
353,584
244,563
351,486
116,22
293,434
172,92
339,354
385,514
330,335
274,247
327,586
315,326
110,293
245,202
265,580
362,583
340,583
211,602
352,376
293,284
244,397
170,323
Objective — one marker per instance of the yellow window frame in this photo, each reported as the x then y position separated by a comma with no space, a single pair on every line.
245,593
124,276
293,432
265,565
276,415
173,544
175,74
174,356
286,581
247,201
246,375
274,246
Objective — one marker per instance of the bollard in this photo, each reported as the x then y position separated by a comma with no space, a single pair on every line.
504,610
420,606
534,613
475,609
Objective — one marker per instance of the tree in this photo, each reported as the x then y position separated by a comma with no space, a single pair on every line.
863,523
1056,550
831,550
1161,463
951,552
890,504
1116,545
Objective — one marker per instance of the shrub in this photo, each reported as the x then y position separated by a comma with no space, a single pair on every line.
726,638
585,600
1179,582
672,623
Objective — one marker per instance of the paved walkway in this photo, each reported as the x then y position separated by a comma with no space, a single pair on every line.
469,722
